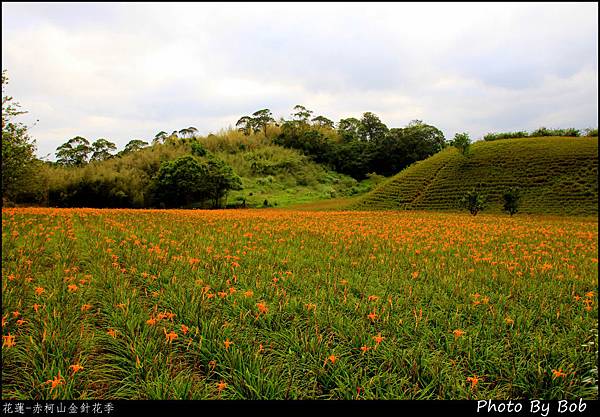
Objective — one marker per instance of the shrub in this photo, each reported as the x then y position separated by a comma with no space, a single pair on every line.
462,142
511,200
505,135
473,201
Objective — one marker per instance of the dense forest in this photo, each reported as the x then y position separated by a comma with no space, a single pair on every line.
184,169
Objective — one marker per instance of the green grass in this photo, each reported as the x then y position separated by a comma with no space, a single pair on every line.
557,175
505,300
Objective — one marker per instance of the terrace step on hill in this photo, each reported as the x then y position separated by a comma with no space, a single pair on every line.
556,175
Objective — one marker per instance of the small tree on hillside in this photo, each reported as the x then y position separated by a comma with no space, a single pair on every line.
462,142
511,200
473,201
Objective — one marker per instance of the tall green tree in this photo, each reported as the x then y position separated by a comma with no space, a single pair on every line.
17,147
190,179
75,152
323,122
262,118
101,150
301,114
371,128
221,179
134,145
348,129
245,125
160,137
188,131
404,146
180,182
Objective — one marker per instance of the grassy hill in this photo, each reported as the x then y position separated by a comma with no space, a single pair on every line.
557,175
270,173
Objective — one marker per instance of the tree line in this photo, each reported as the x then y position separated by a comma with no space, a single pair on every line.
356,147
177,171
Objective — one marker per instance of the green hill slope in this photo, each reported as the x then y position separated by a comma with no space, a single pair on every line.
271,175
557,175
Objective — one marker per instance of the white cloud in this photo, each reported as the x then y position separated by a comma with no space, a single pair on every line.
129,70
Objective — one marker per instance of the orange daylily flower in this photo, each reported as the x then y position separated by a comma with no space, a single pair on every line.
39,290
364,349
372,316
56,381
151,321
378,339
558,374
474,380
227,343
221,386
86,307
184,329
20,322
458,333
262,308
36,307
16,314
72,287
331,358
171,336
248,294
112,332
76,368
8,341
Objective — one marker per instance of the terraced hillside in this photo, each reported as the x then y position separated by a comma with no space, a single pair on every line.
557,175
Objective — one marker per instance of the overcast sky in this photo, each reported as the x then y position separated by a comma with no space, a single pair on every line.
125,71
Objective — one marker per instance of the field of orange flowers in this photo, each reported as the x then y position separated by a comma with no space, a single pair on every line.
269,304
